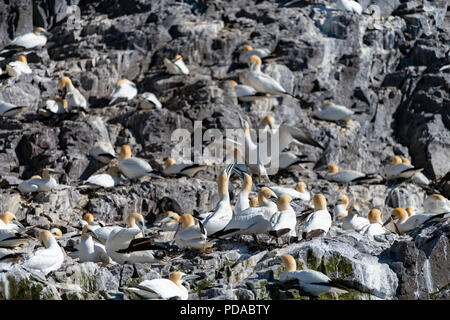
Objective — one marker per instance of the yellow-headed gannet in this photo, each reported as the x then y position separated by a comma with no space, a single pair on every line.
319,222
124,90
103,151
176,67
19,67
352,221
132,167
73,96
191,235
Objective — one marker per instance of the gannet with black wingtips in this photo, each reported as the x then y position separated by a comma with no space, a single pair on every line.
19,67
110,179
246,93
38,184
248,51
149,101
352,221
436,203
73,96
10,238
284,220
124,90
319,222
187,168
243,202
340,209
176,67
10,110
103,151
164,289
344,176
418,178
333,112
8,221
300,191
132,167
90,250
313,282
98,231
37,38
191,235
375,228
404,223
57,105
398,169
48,259
349,5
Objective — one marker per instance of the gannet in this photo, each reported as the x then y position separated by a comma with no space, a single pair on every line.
222,214
245,93
333,112
160,288
405,223
176,67
124,89
103,151
149,101
37,38
56,105
343,176
56,232
110,179
340,209
187,168
311,281
349,5
352,221
319,222
19,67
243,202
418,178
10,238
375,228
170,221
191,235
90,250
436,203
254,202
48,259
9,221
98,231
252,155
300,191
132,167
136,221
284,220
261,81
74,97
248,51
398,169
38,184
10,110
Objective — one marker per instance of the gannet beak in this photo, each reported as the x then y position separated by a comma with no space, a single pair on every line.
387,221
229,169
47,34
55,172
273,198
190,277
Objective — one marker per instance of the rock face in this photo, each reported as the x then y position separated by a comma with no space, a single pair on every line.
391,67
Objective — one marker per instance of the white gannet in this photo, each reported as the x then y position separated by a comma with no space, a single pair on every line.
191,235
187,168
48,259
170,221
90,250
404,223
319,222
10,238
252,155
10,110
311,281
98,231
261,81
176,67
243,202
284,220
74,97
349,5
124,89
132,167
299,192
19,67
248,51
136,221
56,105
245,93
103,151
398,169
340,209
9,221
375,228
436,203
418,178
352,221
218,219
37,38
160,288
149,101
38,184
110,179
343,176
333,112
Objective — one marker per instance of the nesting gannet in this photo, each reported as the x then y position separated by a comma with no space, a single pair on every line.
90,250
110,179
136,221
10,110
243,202
254,202
352,221
311,281
124,89
9,221
176,67
375,228
56,105
343,176
19,67
103,151
160,288
252,155
340,209
10,238
436,203
284,220
74,97
48,259
248,51
37,38
222,214
333,112
404,223
191,235
170,221
38,184
261,81
418,178
299,192
398,169
349,5
132,167
319,222
187,168
149,101
245,93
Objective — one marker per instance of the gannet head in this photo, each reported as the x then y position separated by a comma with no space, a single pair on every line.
406,160
332,168
7,217
23,59
353,210
289,262
300,187
254,202
41,31
113,171
187,220
45,237
56,232
254,62
436,198
283,202
247,183
125,151
175,277
222,184
47,172
135,219
396,160
268,121
343,199
247,48
172,216
64,82
327,104
233,83
410,211
58,99
265,194
400,213
320,202
88,217
169,162
178,57
374,216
